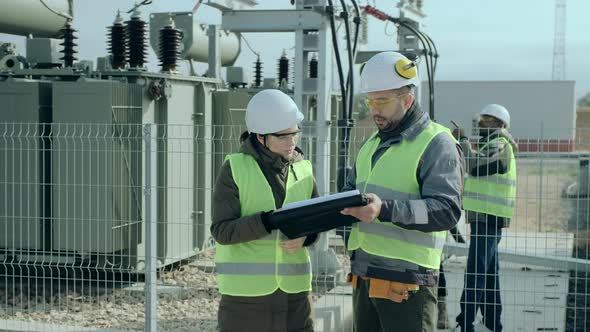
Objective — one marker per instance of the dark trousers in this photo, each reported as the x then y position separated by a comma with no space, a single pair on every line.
442,283
482,284
277,312
416,314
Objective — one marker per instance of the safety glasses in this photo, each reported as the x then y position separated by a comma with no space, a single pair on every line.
378,103
286,137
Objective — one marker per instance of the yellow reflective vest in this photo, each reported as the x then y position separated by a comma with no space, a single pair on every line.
393,177
493,194
260,267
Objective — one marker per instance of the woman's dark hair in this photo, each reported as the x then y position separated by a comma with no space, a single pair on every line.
245,135
252,137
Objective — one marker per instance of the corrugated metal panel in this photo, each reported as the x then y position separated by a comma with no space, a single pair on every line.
96,166
23,199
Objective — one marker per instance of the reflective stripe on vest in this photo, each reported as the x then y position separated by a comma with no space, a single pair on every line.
393,177
260,267
492,194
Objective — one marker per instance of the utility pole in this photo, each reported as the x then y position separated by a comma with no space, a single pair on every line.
558,73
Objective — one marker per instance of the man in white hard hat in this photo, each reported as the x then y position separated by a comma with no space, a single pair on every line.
264,278
411,171
488,201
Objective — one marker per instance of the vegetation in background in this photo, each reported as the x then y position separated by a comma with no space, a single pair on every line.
584,101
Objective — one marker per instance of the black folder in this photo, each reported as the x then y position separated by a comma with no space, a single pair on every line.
317,215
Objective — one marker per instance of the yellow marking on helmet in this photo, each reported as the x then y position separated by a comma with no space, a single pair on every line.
406,68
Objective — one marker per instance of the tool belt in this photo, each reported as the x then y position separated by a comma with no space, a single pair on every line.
385,289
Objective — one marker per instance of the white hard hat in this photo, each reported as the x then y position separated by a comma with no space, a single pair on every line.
270,111
497,111
388,71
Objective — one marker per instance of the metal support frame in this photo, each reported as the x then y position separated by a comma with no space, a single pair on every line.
303,18
322,118
272,20
299,20
151,227
214,52
300,60
552,262
324,109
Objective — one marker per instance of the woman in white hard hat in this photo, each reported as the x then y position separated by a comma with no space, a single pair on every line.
263,277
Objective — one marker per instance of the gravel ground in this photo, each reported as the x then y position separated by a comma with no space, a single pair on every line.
193,307
546,212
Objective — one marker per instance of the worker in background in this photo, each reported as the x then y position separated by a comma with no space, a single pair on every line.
488,201
264,279
411,171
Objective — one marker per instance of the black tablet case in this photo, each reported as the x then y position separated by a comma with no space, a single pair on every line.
316,218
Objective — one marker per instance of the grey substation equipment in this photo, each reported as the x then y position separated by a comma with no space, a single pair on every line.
75,154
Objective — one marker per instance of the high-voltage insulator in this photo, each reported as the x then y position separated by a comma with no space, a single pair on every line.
364,28
258,72
117,43
170,39
136,32
283,69
68,51
313,67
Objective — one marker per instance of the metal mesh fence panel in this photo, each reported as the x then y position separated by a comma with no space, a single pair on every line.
82,204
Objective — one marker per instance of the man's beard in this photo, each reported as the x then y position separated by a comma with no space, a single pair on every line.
385,124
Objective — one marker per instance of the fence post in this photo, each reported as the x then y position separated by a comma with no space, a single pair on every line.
541,147
150,196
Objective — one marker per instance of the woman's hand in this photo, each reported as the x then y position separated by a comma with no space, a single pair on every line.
290,246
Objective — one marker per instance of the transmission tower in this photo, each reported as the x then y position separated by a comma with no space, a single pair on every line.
558,72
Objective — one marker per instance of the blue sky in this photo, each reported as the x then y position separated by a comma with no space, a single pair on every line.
477,40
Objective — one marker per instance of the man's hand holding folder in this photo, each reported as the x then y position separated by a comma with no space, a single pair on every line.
368,212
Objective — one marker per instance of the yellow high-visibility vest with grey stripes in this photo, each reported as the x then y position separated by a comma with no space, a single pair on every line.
393,177
260,267
494,194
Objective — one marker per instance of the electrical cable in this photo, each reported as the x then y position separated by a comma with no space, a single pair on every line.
431,49
435,49
71,8
388,34
429,65
431,52
62,14
347,121
143,3
330,11
432,56
357,22
196,7
427,49
248,44
343,146
348,95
